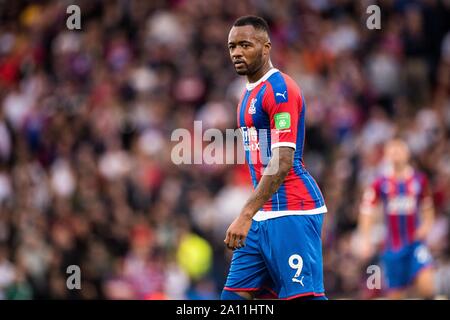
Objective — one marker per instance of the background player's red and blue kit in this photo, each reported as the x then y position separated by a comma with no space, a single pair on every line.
401,200
283,251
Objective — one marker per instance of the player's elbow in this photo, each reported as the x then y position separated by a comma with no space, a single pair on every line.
430,216
286,159
285,166
281,162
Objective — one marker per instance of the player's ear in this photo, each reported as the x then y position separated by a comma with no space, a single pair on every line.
267,47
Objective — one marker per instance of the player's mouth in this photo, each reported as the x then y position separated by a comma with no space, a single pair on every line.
239,63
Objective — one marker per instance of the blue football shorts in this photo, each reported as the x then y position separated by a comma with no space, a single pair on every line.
401,267
282,256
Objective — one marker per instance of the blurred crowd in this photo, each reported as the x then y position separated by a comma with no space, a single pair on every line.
86,118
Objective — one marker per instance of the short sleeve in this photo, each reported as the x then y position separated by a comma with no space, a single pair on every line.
283,105
371,196
425,192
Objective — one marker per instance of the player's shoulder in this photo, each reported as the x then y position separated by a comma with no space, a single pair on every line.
291,83
420,176
281,87
378,180
280,80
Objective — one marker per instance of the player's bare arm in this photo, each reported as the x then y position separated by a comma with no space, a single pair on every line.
280,164
366,220
427,219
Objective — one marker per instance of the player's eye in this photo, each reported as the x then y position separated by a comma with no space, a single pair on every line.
245,46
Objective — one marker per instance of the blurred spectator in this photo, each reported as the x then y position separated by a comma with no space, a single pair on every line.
86,119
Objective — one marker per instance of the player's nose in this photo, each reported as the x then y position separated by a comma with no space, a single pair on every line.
236,54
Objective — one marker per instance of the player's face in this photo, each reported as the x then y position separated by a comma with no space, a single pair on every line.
397,152
249,49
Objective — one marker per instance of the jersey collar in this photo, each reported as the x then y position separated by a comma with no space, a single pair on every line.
408,173
253,85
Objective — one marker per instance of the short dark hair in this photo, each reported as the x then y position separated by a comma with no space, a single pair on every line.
257,22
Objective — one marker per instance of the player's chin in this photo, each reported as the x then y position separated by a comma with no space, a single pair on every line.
241,71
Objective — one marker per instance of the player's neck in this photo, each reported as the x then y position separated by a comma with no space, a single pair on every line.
402,171
260,73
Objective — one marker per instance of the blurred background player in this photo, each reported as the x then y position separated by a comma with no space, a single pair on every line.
404,195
